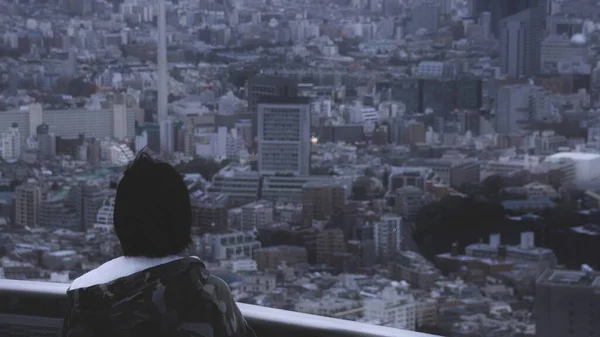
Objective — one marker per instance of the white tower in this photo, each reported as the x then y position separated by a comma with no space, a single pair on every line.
11,144
166,146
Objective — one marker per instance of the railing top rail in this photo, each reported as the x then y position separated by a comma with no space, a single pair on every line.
318,324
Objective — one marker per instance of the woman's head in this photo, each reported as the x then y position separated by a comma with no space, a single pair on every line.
153,213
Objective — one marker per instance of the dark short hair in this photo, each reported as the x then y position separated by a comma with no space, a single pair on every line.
153,213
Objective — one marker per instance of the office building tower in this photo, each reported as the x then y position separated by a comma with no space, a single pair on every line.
260,86
537,32
513,44
28,199
284,136
567,303
500,10
512,107
521,37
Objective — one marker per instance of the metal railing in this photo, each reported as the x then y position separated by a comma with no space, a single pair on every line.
32,309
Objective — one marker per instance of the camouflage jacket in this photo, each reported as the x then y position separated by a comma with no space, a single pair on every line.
175,299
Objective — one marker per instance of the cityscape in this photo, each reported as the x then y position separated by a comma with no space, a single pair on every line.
424,165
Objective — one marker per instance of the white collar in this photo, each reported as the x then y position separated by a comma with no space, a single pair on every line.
118,268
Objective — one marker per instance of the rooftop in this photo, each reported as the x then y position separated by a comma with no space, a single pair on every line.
570,278
575,156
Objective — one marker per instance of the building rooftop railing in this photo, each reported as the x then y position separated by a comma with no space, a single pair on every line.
36,309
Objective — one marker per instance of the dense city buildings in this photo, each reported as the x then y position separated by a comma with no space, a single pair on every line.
428,165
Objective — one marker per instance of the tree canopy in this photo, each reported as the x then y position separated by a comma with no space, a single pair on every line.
562,217
77,87
366,188
492,187
567,128
207,168
455,219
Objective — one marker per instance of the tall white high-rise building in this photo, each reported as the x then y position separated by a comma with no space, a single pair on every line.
284,136
166,144
512,107
11,144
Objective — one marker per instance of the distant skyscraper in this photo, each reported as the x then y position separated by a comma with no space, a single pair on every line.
512,107
284,136
28,198
46,142
513,45
11,144
521,37
503,9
